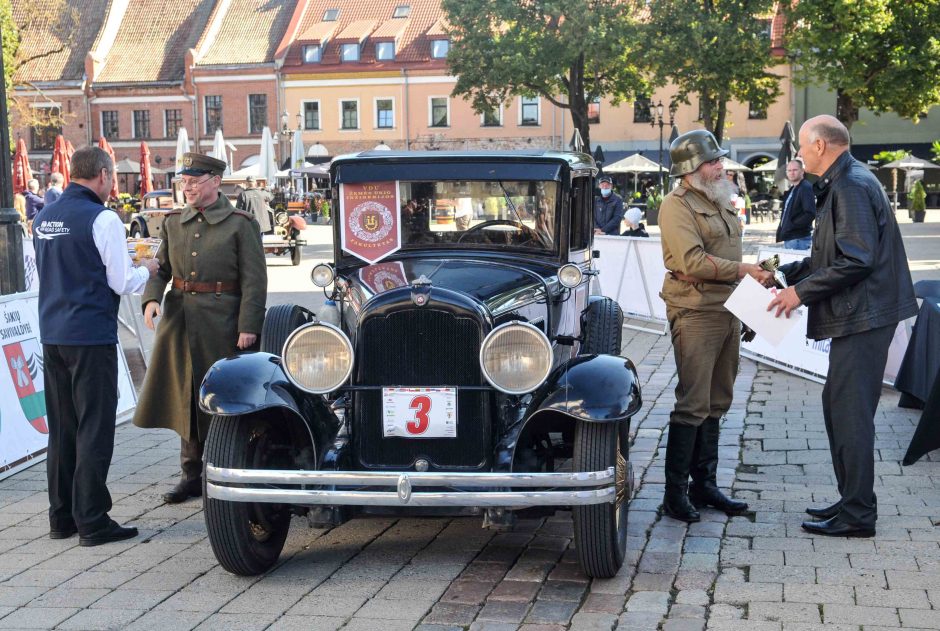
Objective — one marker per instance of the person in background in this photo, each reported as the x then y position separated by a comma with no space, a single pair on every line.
635,228
857,285
255,201
608,208
34,202
799,210
55,188
83,267
19,205
702,249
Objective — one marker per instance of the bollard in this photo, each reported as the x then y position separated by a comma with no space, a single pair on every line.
12,276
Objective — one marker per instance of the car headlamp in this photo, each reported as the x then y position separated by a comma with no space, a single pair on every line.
322,275
318,358
570,275
516,357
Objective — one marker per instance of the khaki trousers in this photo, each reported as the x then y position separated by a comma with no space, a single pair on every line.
707,346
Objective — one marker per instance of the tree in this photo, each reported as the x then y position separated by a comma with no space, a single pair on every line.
718,50
883,55
10,41
577,49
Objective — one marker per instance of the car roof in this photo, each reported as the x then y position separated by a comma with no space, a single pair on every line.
160,192
575,160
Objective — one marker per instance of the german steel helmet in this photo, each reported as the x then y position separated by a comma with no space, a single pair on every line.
691,149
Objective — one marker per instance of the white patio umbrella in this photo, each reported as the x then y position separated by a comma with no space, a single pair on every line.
767,167
266,163
297,159
635,164
182,146
218,150
731,165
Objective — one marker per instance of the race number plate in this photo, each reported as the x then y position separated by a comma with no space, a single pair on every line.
419,412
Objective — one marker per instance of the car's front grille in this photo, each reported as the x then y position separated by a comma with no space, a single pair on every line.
420,347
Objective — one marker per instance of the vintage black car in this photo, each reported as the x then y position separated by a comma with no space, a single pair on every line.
466,368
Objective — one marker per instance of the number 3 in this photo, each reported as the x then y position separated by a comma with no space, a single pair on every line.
421,405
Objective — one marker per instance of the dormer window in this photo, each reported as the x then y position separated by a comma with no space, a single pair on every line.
402,11
440,48
349,52
331,15
385,51
312,53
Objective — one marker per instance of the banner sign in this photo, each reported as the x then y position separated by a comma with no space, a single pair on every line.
371,226
383,276
24,428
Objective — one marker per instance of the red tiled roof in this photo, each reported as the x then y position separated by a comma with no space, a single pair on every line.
356,31
439,28
318,32
413,44
152,41
250,33
391,30
76,38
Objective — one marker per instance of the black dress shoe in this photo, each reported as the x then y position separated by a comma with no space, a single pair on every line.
835,527
825,513
183,491
112,532
62,533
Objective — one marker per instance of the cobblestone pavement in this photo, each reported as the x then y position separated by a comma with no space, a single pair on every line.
755,573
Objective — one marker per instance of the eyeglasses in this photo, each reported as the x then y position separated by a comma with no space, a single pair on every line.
196,183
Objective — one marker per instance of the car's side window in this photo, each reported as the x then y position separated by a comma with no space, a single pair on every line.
582,220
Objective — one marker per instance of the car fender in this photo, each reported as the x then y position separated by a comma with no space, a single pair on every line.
297,222
252,382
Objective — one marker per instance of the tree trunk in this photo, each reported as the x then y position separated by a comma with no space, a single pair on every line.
578,104
720,120
846,111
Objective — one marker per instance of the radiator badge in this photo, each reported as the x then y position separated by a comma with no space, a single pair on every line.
421,291
404,488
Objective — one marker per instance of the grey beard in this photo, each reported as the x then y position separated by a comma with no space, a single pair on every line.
718,191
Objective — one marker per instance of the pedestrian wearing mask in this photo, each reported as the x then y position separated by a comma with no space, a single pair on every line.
608,208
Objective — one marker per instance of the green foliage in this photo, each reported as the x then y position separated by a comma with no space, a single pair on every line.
718,50
918,197
579,49
11,43
935,149
887,156
880,54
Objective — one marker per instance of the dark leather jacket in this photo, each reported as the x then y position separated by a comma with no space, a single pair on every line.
799,211
856,278
608,213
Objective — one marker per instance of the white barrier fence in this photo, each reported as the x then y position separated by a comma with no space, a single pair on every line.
632,272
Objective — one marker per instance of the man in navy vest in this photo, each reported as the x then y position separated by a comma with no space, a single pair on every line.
83,265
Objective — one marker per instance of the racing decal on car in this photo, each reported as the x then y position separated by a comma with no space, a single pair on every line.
371,229
384,276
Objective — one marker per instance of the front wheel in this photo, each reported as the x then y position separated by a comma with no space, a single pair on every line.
600,530
246,538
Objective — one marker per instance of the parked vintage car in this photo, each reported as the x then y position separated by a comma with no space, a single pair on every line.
461,371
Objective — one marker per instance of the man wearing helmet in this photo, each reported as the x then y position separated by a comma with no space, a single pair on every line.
701,239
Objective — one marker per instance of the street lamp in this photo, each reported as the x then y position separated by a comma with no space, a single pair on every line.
658,120
286,132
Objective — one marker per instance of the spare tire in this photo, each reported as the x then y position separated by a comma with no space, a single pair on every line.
279,322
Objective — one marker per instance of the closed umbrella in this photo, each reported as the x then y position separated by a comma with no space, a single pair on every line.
182,146
69,150
146,177
104,145
218,150
787,153
267,166
22,174
297,160
61,163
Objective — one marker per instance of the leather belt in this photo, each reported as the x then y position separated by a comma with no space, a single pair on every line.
195,287
692,279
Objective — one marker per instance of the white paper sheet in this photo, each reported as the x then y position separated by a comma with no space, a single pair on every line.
749,303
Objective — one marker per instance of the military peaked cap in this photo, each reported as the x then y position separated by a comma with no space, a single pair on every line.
199,164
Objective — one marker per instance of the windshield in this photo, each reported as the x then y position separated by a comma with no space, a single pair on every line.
518,214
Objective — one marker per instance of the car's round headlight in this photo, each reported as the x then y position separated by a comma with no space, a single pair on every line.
318,358
516,357
322,275
570,275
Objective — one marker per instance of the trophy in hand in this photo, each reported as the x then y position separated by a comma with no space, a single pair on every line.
772,265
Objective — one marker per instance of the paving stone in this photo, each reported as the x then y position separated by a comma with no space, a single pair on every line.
372,624
639,621
130,599
603,603
467,592
101,619
562,590
645,582
394,609
504,611
783,612
920,618
744,593
742,625
236,622
897,598
684,624
307,623
655,602
797,592
517,591
852,614
36,617
551,612
452,614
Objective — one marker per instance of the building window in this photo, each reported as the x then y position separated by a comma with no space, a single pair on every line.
439,114
173,120
257,112
756,112
312,54
109,124
440,48
46,127
594,111
492,118
213,113
642,110
402,11
349,52
350,110
141,123
385,51
312,115
331,15
529,110
384,114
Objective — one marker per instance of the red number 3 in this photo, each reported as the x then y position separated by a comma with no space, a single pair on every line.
421,405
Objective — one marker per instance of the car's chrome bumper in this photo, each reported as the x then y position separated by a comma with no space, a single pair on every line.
367,488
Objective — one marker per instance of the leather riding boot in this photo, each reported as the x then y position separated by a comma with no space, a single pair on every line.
190,484
704,488
679,448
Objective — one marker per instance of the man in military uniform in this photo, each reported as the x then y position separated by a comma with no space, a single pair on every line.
213,257
701,238
256,201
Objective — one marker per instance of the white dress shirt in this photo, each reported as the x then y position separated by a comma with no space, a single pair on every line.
111,240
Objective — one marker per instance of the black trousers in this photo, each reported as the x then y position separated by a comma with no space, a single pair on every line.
81,404
849,401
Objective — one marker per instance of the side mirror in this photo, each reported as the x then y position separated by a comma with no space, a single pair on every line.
596,254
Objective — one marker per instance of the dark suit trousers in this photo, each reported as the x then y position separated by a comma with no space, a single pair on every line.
81,404
850,398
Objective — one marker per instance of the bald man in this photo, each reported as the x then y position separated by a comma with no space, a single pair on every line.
857,287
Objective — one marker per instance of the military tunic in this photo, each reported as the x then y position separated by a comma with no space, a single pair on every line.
701,239
219,244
